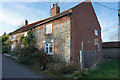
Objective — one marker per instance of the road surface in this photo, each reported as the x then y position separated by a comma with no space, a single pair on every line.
11,69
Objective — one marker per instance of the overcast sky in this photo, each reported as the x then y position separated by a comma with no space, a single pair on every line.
13,14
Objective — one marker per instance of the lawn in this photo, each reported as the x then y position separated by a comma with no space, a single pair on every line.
106,70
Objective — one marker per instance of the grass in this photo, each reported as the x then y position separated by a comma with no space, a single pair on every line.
106,70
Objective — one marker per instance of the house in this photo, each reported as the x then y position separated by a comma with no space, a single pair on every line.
111,49
65,34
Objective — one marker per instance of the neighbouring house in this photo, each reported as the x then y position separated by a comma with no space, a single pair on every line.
111,49
65,35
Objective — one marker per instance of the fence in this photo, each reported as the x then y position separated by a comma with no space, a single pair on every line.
90,58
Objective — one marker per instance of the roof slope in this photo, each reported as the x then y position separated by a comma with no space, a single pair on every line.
29,26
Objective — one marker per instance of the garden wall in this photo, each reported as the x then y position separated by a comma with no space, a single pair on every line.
111,53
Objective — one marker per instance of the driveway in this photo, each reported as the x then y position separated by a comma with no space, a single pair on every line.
11,69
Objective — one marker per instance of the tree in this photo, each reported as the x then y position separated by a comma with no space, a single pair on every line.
4,34
5,43
29,40
115,37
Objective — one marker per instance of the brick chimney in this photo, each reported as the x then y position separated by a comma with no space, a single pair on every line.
26,22
55,10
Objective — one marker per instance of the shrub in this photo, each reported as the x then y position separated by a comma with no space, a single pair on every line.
63,68
76,74
5,49
32,56
25,60
84,73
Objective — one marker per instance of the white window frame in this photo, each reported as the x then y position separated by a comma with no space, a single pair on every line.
49,28
47,45
13,47
25,34
14,37
96,32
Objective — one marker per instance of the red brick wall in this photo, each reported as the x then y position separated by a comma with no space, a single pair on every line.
83,24
55,10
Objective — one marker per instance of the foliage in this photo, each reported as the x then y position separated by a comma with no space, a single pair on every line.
35,57
29,40
5,38
63,68
5,49
5,43
25,60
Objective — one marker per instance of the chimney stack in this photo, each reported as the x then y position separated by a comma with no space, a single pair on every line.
26,22
55,10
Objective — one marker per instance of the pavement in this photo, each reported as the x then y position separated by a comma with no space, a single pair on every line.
12,69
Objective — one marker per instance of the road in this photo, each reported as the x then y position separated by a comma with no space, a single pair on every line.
11,69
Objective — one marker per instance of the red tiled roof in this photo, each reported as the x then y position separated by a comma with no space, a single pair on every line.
111,44
33,24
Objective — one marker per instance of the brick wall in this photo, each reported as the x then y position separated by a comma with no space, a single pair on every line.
83,25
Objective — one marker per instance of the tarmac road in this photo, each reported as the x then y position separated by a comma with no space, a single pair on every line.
11,69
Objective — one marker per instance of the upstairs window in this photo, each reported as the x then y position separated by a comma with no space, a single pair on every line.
96,32
49,28
14,37
25,34
48,48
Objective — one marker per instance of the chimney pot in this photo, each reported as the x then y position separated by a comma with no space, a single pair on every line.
26,22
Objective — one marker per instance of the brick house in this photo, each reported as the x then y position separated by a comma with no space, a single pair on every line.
64,34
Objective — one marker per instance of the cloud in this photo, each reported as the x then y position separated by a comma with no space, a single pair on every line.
14,14
10,18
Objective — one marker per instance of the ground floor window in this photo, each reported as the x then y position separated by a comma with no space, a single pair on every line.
13,47
48,48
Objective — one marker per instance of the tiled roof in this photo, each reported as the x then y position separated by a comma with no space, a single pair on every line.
35,23
111,44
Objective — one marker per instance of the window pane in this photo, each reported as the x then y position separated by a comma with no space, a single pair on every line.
51,48
46,44
14,37
46,49
96,32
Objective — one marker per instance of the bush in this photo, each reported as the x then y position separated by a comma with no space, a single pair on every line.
84,73
77,74
33,56
63,68
5,49
25,60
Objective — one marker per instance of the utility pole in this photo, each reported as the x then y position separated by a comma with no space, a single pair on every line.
119,20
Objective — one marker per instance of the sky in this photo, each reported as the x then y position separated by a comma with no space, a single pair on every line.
13,14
